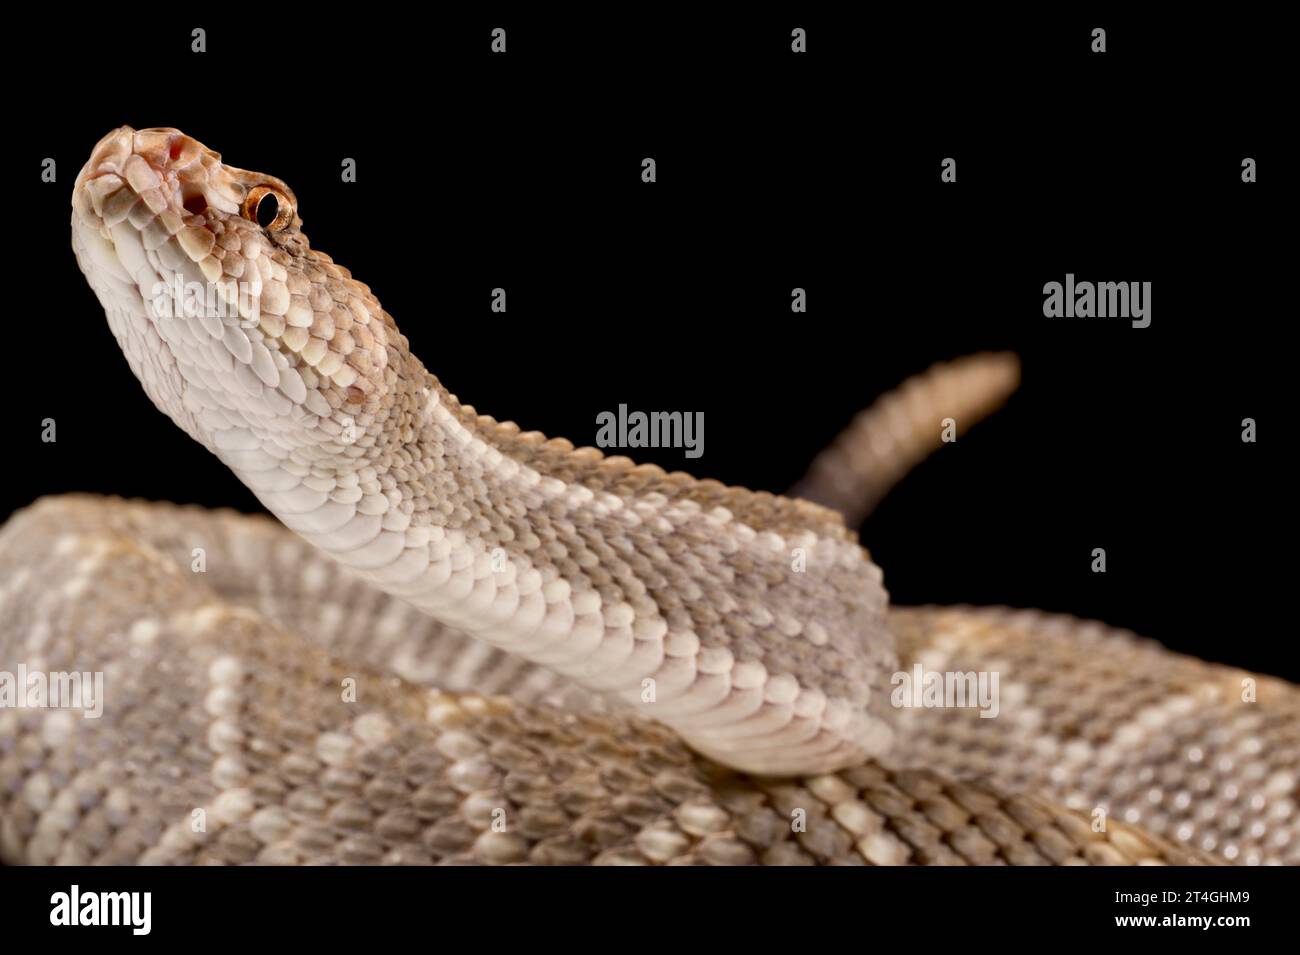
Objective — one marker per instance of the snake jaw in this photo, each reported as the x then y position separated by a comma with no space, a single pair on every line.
123,166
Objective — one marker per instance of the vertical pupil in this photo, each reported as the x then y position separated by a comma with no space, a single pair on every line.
268,207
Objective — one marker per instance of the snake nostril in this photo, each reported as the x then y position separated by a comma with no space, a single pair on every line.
196,204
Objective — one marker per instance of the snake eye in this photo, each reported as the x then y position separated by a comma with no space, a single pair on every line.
268,207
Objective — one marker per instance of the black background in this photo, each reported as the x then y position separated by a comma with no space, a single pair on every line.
774,171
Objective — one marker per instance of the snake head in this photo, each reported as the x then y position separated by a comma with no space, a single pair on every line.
259,347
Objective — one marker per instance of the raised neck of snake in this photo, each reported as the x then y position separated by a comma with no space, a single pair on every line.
751,624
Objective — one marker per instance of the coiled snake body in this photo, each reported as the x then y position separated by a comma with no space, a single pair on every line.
487,646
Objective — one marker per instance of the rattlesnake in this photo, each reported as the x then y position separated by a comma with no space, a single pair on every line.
517,650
